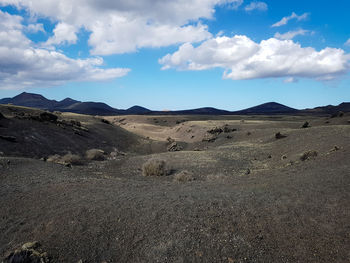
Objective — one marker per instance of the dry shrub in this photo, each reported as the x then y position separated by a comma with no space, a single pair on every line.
184,176
95,154
335,148
308,155
105,121
154,167
67,159
279,135
73,159
174,147
305,125
54,158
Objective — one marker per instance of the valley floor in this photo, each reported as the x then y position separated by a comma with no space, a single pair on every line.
251,197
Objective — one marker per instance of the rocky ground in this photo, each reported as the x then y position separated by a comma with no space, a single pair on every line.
236,189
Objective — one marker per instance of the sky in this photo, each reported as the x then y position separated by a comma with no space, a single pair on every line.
177,54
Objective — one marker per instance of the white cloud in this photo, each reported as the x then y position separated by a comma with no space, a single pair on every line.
63,34
347,43
286,19
291,34
256,6
242,58
122,37
23,65
34,28
125,26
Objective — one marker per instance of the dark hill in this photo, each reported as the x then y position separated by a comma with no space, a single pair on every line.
99,108
138,110
329,109
66,103
268,108
30,100
92,108
199,111
38,101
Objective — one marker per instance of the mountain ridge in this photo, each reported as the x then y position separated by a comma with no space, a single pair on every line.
99,108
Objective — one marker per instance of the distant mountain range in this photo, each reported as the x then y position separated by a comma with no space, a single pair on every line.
99,108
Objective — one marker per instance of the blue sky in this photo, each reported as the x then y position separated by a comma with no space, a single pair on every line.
228,54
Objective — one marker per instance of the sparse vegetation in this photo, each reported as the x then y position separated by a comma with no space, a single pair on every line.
215,131
184,176
226,129
305,125
47,116
337,114
105,121
335,148
279,135
95,155
154,167
170,140
209,138
173,147
29,253
67,159
308,155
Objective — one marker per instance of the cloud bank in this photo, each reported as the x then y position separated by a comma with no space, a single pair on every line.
242,58
24,65
126,26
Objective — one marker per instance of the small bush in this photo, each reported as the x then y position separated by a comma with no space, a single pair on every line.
72,159
48,116
215,131
154,167
170,140
308,155
184,176
305,125
105,121
279,135
173,147
95,154
67,159
54,158
335,148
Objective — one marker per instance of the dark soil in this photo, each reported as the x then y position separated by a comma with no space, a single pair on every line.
283,210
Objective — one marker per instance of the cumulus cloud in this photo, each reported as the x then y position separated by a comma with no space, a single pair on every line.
242,58
286,19
24,65
125,26
261,6
291,34
63,34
